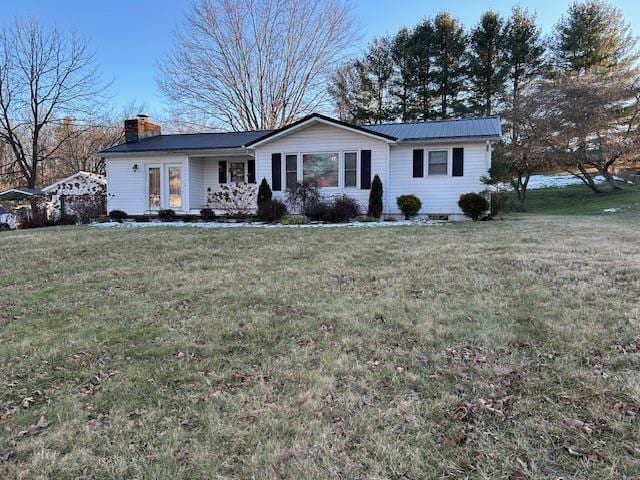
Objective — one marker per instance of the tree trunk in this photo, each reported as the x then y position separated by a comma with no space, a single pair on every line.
610,179
520,186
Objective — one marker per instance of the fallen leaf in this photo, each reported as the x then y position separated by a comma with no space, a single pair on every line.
35,428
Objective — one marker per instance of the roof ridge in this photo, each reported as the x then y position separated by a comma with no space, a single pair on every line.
443,120
203,133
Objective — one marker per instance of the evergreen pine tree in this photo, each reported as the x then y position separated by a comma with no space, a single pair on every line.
593,36
264,192
450,45
375,198
486,66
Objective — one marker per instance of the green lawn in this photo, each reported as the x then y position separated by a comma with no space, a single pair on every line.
580,200
471,350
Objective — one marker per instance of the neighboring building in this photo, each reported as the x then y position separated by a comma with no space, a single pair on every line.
436,161
82,195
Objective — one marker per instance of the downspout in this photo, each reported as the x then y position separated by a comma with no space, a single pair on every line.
386,188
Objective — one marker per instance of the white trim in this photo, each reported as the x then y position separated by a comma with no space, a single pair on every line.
426,160
287,131
147,205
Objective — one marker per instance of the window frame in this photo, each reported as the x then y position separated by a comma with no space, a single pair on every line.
342,182
246,171
284,170
426,160
164,186
336,152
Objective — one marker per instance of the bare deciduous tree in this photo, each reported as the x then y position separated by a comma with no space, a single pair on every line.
527,146
256,64
596,118
44,77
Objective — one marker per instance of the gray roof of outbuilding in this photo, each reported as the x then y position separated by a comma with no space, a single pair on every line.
189,141
487,127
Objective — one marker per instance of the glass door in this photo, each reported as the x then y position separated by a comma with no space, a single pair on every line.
154,188
164,187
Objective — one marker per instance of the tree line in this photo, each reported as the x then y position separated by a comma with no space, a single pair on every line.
569,100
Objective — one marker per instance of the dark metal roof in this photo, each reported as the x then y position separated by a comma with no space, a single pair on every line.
488,127
441,129
189,141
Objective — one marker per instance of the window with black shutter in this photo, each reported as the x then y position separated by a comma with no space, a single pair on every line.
222,171
365,169
276,172
418,163
458,162
251,171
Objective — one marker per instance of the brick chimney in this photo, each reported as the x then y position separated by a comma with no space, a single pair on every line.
139,128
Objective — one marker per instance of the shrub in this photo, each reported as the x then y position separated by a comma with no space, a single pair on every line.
190,218
302,195
342,209
366,219
409,205
264,192
375,198
167,215
271,210
118,215
473,205
141,218
237,200
295,220
499,203
317,210
207,214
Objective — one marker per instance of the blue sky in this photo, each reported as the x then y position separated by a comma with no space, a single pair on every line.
129,36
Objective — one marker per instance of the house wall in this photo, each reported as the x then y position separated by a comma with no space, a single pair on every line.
438,194
127,190
321,138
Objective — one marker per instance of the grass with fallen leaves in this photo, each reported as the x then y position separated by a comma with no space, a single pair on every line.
482,350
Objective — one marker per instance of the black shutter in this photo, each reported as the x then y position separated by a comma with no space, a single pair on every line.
418,163
251,171
365,169
276,172
458,162
222,171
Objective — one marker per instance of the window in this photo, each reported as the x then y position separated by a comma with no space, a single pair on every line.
350,169
438,162
320,169
154,187
236,172
175,188
291,174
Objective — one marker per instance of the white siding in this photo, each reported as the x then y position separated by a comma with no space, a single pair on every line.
438,194
196,182
126,189
321,138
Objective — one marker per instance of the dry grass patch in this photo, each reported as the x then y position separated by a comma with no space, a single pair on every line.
491,350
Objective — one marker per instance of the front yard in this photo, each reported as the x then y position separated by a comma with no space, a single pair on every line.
484,350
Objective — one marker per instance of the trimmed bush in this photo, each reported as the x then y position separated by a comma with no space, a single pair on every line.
118,215
317,210
375,198
167,215
207,214
264,193
342,209
271,210
409,205
500,203
473,205
295,220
